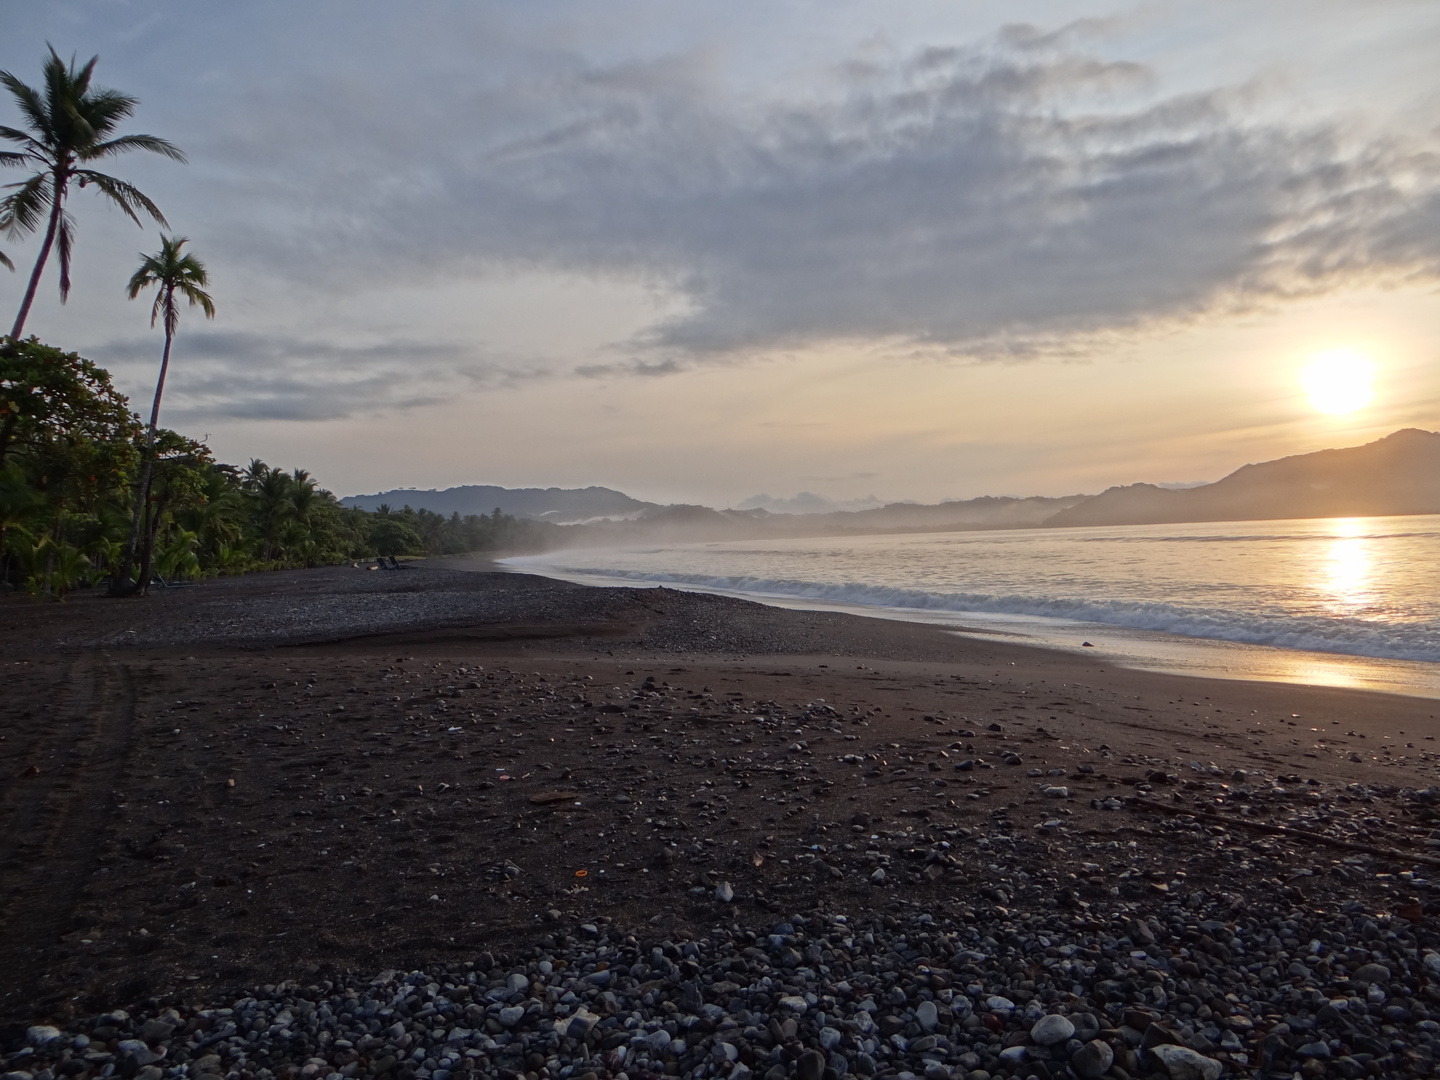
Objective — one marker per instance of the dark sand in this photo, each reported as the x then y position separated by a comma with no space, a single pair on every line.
263,778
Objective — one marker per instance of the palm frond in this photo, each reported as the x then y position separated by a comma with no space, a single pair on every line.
10,157
64,247
124,195
143,277
25,207
30,103
153,143
104,109
197,297
5,261
33,149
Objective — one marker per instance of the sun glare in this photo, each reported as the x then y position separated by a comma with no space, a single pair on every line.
1339,381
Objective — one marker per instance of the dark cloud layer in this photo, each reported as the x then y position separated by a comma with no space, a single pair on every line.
998,199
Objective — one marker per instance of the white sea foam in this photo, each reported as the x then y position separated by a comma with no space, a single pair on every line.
1359,587
1354,637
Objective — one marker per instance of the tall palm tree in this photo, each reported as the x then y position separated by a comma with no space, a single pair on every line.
70,126
172,273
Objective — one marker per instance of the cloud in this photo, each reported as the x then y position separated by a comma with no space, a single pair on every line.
1004,199
257,376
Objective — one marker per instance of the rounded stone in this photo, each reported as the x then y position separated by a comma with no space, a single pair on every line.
1052,1030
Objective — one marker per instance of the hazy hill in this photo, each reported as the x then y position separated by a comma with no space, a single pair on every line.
986,512
1399,474
559,505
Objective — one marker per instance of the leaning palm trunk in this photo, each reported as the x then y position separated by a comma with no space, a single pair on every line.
41,259
120,584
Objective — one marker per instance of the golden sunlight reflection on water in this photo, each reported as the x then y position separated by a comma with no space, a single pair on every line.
1348,567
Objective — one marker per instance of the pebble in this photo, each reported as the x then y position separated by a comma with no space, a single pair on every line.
724,892
1183,984
1093,1060
1052,1029
927,1015
1182,1063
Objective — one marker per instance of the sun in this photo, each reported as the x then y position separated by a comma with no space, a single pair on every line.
1339,381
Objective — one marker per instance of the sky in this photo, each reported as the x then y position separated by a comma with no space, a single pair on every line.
915,250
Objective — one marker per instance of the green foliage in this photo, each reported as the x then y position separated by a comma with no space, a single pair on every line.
70,455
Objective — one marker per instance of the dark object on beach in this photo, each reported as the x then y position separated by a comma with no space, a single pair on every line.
394,562
1086,645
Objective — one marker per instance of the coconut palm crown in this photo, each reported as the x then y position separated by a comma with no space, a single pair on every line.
71,125
174,273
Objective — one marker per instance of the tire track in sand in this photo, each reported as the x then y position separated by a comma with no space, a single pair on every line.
53,823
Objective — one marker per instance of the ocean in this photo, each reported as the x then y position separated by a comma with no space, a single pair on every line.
1339,601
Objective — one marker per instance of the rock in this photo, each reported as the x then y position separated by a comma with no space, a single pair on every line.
829,1038
1055,792
1372,973
140,1052
997,1004
512,1015
810,1066
724,892
41,1034
581,1023
878,877
927,1016
937,1071
1093,1060
1012,1056
1182,1063
150,1072
155,1031
1052,1030
517,983
794,1002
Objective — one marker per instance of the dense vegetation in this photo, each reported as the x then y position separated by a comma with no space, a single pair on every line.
71,455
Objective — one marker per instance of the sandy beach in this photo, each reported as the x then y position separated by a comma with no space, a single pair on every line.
279,779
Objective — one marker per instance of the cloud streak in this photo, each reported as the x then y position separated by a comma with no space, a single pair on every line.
256,376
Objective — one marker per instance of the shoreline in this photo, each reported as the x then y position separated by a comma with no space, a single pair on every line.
1138,650
310,777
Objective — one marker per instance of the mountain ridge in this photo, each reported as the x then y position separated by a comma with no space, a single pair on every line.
1394,475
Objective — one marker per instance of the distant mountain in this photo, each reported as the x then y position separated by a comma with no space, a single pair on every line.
986,512
806,502
559,505
1399,474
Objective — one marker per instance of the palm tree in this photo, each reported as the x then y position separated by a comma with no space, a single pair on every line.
70,126
171,272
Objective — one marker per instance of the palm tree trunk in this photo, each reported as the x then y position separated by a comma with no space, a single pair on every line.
50,230
120,580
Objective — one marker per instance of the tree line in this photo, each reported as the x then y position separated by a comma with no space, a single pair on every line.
88,491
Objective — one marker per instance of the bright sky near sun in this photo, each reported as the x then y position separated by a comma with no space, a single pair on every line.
695,252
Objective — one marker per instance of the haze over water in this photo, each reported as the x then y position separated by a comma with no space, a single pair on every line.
1348,602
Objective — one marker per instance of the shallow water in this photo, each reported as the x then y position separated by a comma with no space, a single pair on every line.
1346,602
